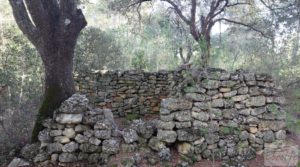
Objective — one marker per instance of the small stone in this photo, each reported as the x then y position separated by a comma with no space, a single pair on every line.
185,148
94,141
230,94
253,129
102,134
257,101
217,103
54,133
165,125
195,97
165,154
69,132
41,157
103,125
167,136
81,139
201,116
110,146
130,136
239,98
88,148
69,118
245,112
183,116
176,104
244,135
186,135
268,136
156,144
70,147
18,162
67,157
81,128
54,148
280,135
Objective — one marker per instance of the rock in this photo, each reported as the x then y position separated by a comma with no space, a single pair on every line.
156,144
229,113
29,151
110,146
239,98
92,119
54,148
181,125
186,135
94,158
103,125
143,129
211,138
167,118
268,136
183,116
70,147
243,90
94,141
165,154
102,134
258,111
176,104
201,116
165,125
69,118
130,136
244,135
67,157
245,112
195,97
81,139
81,128
202,105
167,136
129,148
280,135
44,136
54,157
230,94
185,148
257,101
253,129
69,132
75,104
211,84
54,133
18,162
217,103
88,148
41,157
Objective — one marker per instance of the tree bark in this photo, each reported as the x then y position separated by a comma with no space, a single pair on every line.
59,84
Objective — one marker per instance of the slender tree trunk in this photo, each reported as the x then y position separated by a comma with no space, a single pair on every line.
59,83
205,51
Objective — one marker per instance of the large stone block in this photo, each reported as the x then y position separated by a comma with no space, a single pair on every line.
69,118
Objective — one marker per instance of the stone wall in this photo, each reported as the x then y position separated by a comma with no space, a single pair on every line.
127,92
209,114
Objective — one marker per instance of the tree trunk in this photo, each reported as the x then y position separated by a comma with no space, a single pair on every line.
205,51
59,84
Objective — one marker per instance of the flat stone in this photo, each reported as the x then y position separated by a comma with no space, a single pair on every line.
167,136
156,144
201,116
67,157
102,134
195,97
81,138
130,136
165,125
257,101
217,103
69,132
176,104
54,148
185,148
18,162
70,147
69,118
183,116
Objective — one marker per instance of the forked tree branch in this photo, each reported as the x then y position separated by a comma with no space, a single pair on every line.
23,21
245,25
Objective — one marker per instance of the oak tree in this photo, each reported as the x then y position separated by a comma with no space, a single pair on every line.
52,26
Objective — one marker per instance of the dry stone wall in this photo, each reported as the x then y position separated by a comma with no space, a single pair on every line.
209,114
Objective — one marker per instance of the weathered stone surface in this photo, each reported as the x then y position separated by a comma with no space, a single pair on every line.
102,134
195,97
88,148
239,98
176,104
110,146
156,144
130,136
75,104
81,128
167,136
185,148
183,116
186,135
29,151
81,138
67,157
165,154
69,118
269,136
165,125
257,101
201,116
70,147
54,148
280,135
94,141
69,132
18,162
217,103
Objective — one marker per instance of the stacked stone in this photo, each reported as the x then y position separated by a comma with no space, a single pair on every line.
78,133
233,116
125,92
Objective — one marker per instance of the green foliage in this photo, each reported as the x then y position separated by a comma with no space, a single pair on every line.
139,61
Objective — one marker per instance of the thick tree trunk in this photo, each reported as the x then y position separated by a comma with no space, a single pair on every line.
59,84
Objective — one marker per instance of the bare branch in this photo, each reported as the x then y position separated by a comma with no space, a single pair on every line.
245,25
178,11
238,3
23,21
